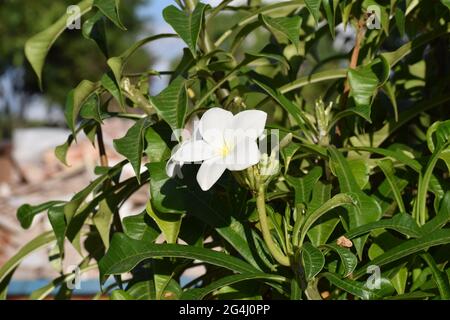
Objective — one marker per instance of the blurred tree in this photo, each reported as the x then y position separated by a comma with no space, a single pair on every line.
73,58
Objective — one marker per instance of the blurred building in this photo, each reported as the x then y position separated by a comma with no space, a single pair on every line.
30,173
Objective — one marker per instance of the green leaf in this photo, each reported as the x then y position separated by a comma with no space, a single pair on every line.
26,212
365,80
442,217
156,149
401,222
110,83
314,78
330,11
446,3
169,223
238,237
390,92
75,101
440,131
314,8
284,102
125,253
396,56
58,223
337,201
171,103
387,167
95,30
110,8
175,196
72,206
324,227
346,8
354,287
400,21
199,294
140,227
38,46
360,170
102,221
367,209
399,280
424,182
288,26
91,109
9,267
131,146
167,195
186,24
313,260
439,276
120,295
348,259
61,150
409,247
303,186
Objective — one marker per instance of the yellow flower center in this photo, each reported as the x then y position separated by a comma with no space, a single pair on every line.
225,150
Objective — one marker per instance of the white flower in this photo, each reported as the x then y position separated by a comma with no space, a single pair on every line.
190,132
226,142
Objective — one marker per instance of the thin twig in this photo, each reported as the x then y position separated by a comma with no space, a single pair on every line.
361,30
101,147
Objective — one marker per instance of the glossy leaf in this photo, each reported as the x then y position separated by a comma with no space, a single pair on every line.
187,25
94,29
365,80
314,8
401,222
348,259
140,227
199,294
288,26
131,146
110,8
38,46
303,186
171,103
169,223
313,260
37,243
75,101
26,212
410,247
125,253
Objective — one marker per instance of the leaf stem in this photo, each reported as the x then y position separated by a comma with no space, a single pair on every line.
353,60
261,207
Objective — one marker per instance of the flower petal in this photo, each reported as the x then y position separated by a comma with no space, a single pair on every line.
244,155
191,131
251,122
210,171
213,124
193,151
173,168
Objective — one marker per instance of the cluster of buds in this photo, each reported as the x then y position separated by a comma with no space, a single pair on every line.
323,119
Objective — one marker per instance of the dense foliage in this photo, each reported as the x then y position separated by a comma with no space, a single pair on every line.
359,205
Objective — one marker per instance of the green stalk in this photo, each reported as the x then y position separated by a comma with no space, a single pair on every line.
274,250
424,181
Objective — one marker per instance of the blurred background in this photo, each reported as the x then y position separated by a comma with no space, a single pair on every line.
32,122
